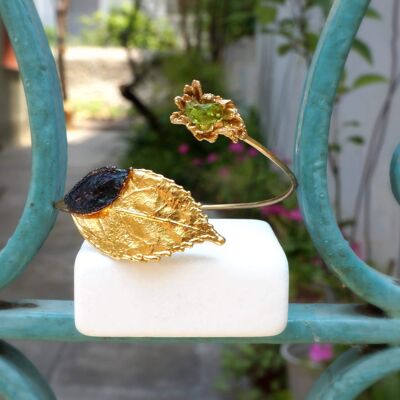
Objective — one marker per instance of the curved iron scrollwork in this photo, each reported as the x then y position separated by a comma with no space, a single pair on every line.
19,378
311,159
395,173
54,320
353,372
49,145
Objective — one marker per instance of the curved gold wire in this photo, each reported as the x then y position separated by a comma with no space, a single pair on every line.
262,203
208,116
231,126
60,205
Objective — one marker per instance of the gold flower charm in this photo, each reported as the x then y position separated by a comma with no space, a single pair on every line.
208,116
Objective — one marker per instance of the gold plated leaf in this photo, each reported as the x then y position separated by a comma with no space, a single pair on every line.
152,217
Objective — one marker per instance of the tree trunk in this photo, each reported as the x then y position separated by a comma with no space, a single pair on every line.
62,13
184,12
218,12
128,93
199,25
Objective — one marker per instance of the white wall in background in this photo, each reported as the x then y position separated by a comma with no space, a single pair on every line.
274,84
47,11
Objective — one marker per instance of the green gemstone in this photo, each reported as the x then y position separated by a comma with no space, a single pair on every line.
204,115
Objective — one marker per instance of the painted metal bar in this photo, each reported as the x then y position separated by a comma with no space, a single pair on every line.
333,323
353,372
395,173
49,146
19,379
311,159
336,367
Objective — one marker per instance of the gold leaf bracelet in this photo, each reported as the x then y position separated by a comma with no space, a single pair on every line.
139,215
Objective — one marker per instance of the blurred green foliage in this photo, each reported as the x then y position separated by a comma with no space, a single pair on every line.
97,109
111,29
180,68
249,376
385,389
51,34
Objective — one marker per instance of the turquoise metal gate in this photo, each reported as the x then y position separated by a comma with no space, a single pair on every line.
352,372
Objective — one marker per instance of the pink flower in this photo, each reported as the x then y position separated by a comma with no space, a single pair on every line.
224,172
240,158
183,148
275,209
316,262
212,158
295,215
357,248
236,148
252,152
197,162
319,352
278,209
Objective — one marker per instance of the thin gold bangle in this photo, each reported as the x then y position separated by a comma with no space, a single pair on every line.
136,214
241,206
262,203
196,112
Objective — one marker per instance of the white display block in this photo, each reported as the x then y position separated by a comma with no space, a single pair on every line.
239,289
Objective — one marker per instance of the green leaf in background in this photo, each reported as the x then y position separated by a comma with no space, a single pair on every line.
373,13
266,14
356,139
363,50
386,388
342,89
274,2
352,123
347,222
284,49
368,79
311,40
335,147
324,5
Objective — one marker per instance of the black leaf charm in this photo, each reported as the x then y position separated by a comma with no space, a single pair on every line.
96,190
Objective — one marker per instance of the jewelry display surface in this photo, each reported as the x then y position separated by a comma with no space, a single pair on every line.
236,290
